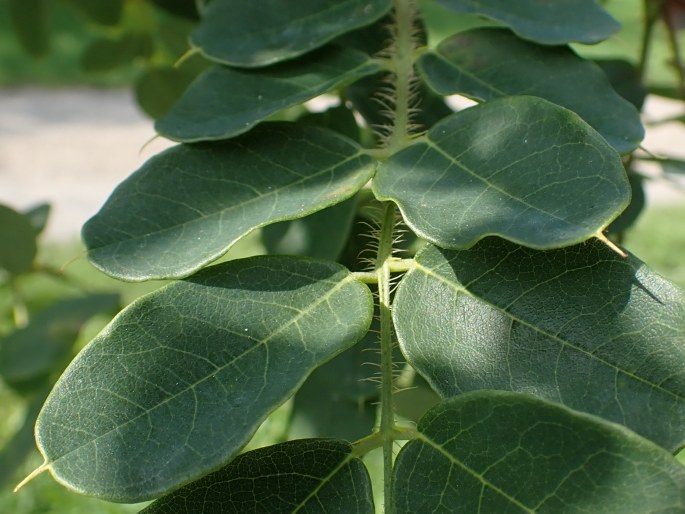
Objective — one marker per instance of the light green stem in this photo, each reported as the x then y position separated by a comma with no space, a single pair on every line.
387,423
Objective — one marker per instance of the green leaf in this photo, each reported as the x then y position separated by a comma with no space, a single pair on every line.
557,23
17,241
310,475
42,346
158,89
581,326
517,167
30,21
104,12
637,204
625,79
249,34
186,206
322,234
224,102
496,451
339,399
489,63
182,8
38,215
105,54
180,380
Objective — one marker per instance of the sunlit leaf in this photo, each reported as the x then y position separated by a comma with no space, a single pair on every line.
497,451
518,167
581,326
185,207
309,475
180,380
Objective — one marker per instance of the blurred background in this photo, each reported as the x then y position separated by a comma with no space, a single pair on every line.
80,85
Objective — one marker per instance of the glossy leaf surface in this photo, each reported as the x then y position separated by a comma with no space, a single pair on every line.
308,475
485,64
185,207
556,23
224,102
518,167
497,451
180,380
17,241
581,326
252,34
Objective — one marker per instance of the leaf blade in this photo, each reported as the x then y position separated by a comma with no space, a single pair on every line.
519,167
581,326
225,102
284,478
583,20
185,207
490,63
496,451
252,35
186,374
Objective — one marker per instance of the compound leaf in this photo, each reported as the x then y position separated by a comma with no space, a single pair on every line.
549,23
497,451
186,206
580,326
490,63
308,475
180,380
224,102
518,167
253,34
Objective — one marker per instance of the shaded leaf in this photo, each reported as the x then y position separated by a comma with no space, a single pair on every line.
637,204
182,8
38,215
17,448
186,206
180,380
30,21
224,102
557,23
158,89
625,79
339,399
340,119
105,54
581,326
104,12
17,241
322,234
42,346
252,34
311,475
489,63
496,451
517,167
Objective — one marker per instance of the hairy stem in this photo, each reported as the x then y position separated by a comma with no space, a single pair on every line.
403,65
387,422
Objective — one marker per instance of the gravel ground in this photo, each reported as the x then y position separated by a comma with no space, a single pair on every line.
72,147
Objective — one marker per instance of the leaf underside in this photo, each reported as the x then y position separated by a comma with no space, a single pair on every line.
580,326
179,381
308,475
497,451
188,205
518,167
485,64
548,23
253,34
